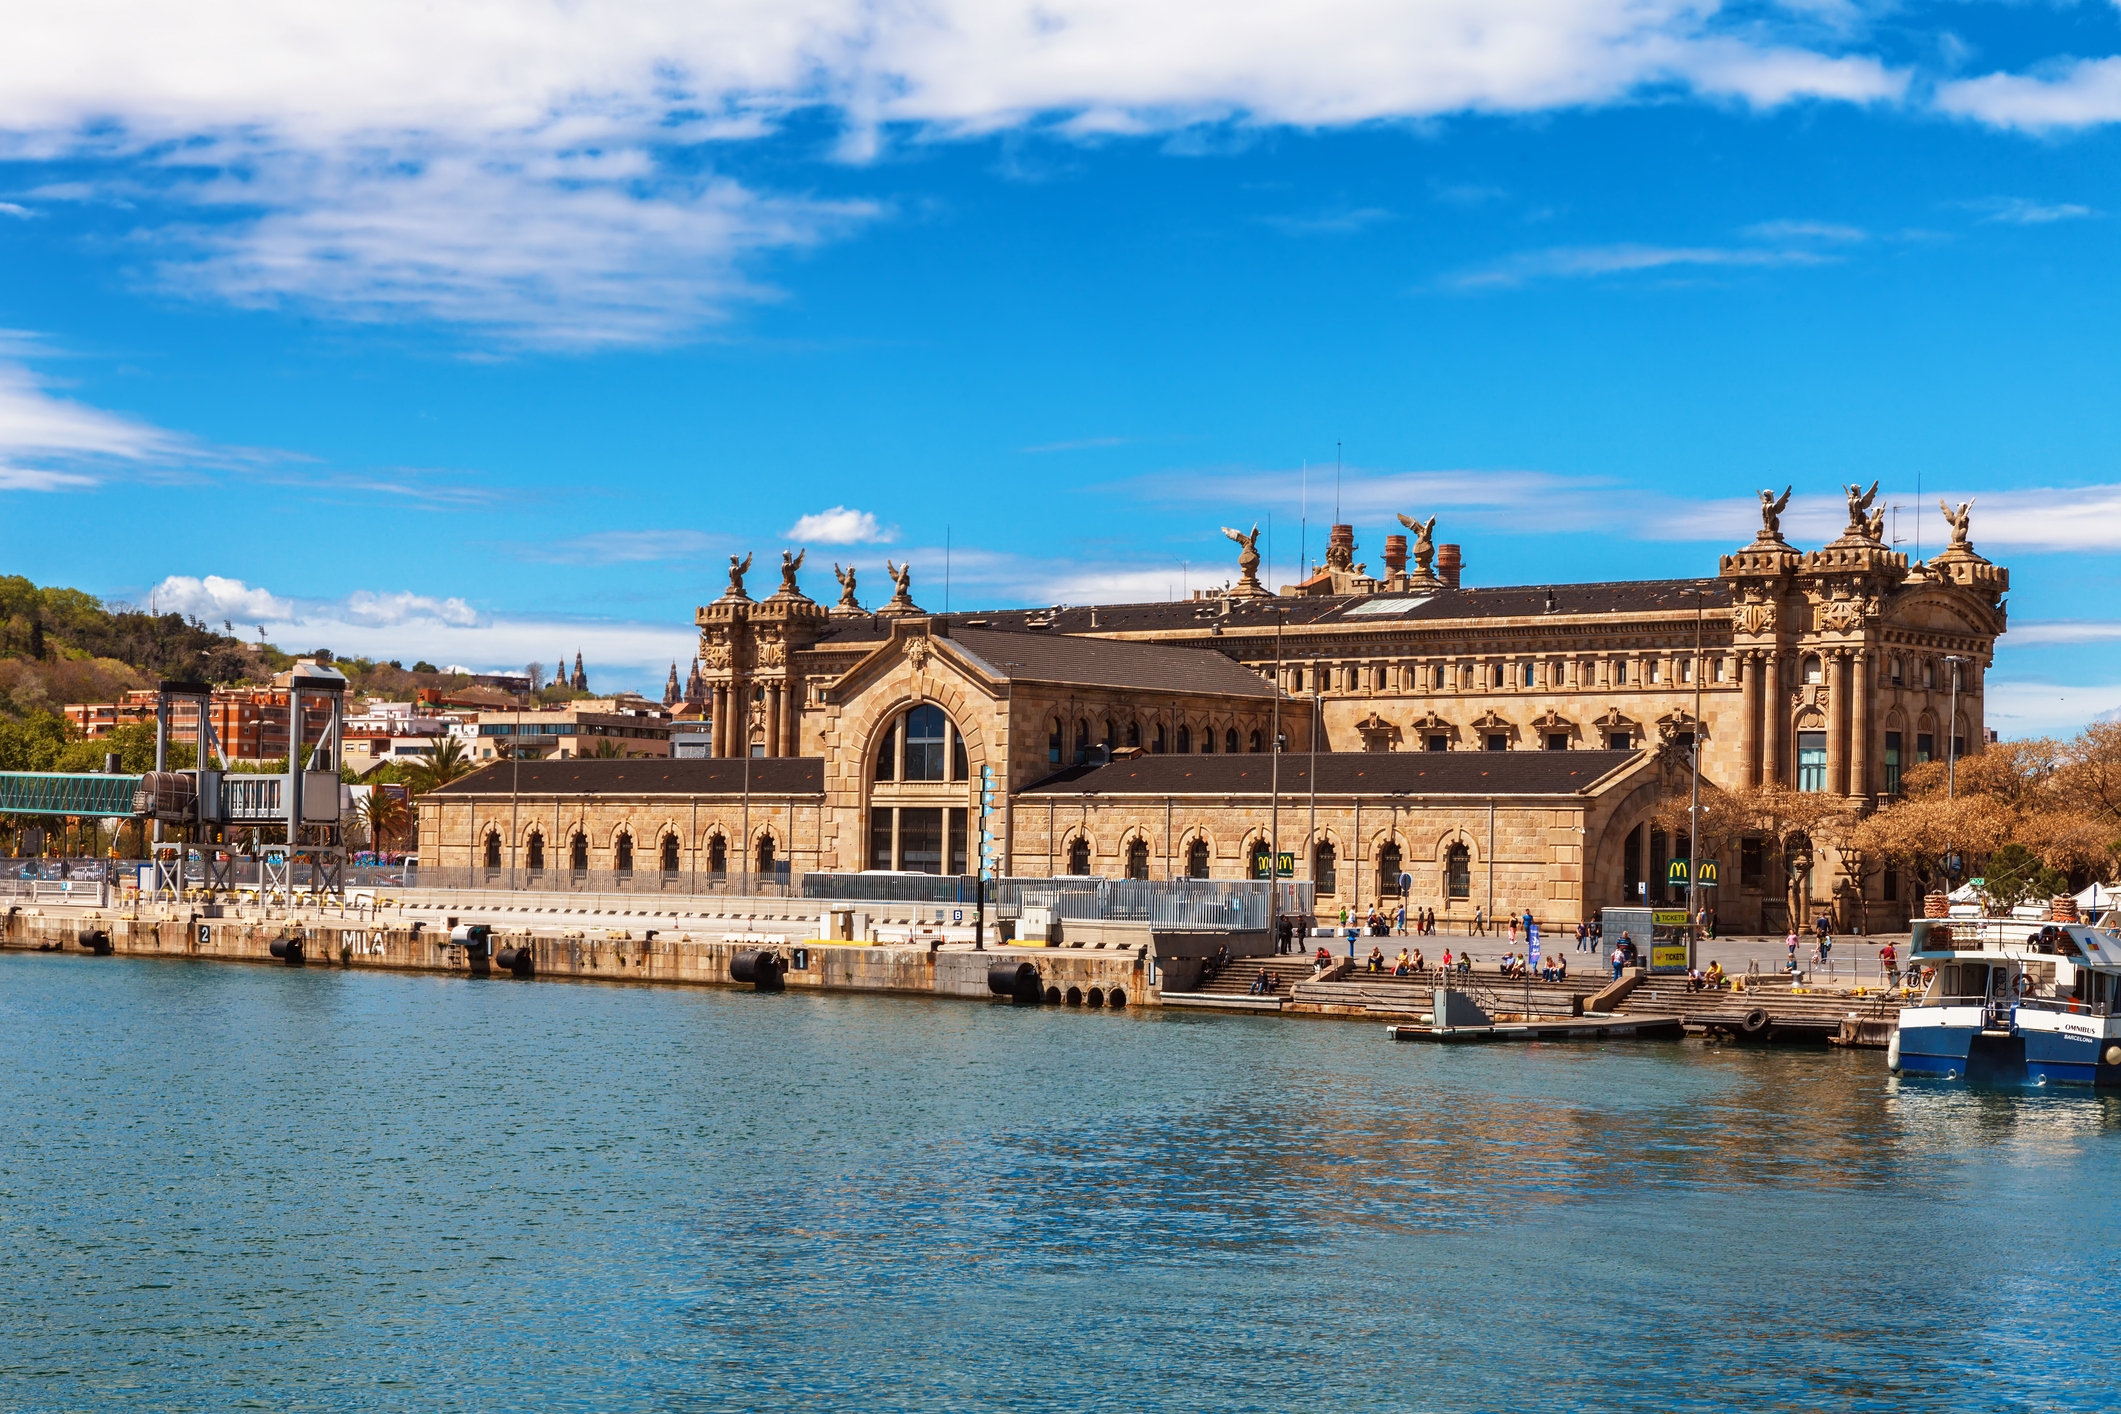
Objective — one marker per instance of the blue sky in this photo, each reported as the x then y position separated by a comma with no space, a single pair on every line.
488,335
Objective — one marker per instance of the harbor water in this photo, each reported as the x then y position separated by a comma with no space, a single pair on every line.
310,1189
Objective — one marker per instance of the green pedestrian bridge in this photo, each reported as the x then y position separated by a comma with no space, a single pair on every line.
64,793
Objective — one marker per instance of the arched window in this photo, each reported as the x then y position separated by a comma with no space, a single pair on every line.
1230,740
927,735
1899,671
1256,860
578,853
1458,872
1110,738
670,854
1324,867
765,854
1528,679
1296,679
887,754
622,853
1053,744
534,851
1388,870
493,850
958,769
1156,742
1929,673
1134,733
1078,856
1197,860
1138,859
1207,741
1811,671
1082,741
1185,740
717,856
1255,742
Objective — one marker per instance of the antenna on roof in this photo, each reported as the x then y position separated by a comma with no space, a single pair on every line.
1336,483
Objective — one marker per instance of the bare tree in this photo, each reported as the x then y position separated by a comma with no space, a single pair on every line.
536,673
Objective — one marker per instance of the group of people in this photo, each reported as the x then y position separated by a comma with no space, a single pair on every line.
1407,965
1552,968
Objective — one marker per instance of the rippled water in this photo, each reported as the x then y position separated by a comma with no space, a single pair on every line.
230,1187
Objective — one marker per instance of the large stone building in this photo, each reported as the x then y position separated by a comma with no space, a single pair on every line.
1504,747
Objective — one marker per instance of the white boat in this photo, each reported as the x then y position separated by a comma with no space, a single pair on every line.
2010,1001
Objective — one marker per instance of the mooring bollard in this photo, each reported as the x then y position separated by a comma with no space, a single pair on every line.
760,967
1018,981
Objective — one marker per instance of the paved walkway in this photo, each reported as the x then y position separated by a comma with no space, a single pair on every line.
1854,961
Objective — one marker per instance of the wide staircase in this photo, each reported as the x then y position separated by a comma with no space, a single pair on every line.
1767,1008
1236,979
1383,994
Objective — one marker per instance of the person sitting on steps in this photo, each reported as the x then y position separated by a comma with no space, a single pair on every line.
1377,960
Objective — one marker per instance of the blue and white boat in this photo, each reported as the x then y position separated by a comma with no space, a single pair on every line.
2008,1002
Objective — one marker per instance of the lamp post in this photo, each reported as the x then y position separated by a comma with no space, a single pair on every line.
1693,814
1951,729
1281,619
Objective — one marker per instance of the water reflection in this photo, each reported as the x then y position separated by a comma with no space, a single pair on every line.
335,1191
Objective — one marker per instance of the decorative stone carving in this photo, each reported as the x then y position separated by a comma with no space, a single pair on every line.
848,603
902,597
1958,520
918,652
789,565
1859,501
1377,733
1248,583
1840,615
1424,547
1771,509
736,578
1754,618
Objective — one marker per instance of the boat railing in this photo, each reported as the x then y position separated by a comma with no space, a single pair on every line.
2063,1004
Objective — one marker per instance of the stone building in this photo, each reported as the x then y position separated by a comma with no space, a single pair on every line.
1531,727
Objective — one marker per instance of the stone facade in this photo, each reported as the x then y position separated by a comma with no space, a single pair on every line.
1829,670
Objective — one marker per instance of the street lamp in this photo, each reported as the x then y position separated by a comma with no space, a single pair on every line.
1951,729
1281,619
1693,815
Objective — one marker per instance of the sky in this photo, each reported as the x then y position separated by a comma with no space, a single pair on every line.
485,333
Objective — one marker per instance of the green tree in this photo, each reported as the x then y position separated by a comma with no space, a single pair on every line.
440,764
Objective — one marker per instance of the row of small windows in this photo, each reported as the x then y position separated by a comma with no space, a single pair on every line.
668,855
1230,741
1325,865
1474,677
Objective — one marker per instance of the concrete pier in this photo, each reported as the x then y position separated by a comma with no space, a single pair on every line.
699,956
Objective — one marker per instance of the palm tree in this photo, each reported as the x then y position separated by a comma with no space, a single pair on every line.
384,814
440,764
607,750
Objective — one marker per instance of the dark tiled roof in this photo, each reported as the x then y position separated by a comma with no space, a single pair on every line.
1347,773
1102,662
782,776
1640,596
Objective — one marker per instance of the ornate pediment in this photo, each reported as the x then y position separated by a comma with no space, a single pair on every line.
1671,724
1377,733
1553,721
1489,721
1614,721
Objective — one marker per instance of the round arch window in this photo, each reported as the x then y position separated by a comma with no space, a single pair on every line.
1079,856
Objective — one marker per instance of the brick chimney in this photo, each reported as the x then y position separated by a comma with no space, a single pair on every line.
1395,560
1448,564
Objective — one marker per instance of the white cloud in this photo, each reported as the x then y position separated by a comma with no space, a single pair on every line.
2022,708
1581,262
1804,230
215,599
74,440
610,547
2039,631
2017,211
552,172
411,627
8,208
841,526
2072,94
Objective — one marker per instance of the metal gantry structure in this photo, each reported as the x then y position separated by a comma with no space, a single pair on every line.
209,799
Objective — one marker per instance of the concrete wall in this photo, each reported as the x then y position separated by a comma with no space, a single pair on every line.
685,958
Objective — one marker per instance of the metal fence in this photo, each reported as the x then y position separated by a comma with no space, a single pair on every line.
676,882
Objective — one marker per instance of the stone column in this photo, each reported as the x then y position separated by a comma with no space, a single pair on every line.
1837,721
1748,720
1860,728
1774,721
718,708
791,714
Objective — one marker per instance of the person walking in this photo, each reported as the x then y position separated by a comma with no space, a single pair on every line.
1480,921
1401,920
